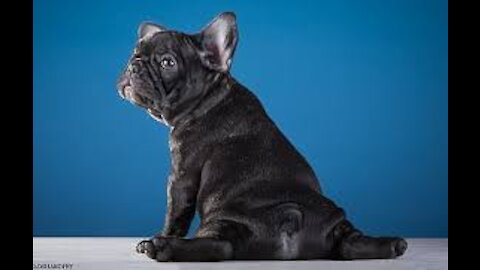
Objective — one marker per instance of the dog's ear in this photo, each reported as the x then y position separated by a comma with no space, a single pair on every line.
148,29
218,41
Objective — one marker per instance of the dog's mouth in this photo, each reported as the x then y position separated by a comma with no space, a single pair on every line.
127,92
122,86
155,114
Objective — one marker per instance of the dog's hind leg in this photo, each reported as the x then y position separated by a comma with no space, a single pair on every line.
175,249
351,244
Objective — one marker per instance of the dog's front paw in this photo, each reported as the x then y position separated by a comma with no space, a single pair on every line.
146,247
157,248
163,249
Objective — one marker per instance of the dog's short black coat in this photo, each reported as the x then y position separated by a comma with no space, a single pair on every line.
256,195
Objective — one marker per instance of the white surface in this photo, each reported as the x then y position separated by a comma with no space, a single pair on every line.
119,253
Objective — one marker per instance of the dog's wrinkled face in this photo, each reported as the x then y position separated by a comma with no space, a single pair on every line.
169,72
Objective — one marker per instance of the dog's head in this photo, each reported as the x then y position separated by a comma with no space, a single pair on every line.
169,71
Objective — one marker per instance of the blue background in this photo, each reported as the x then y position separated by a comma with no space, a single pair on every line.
360,87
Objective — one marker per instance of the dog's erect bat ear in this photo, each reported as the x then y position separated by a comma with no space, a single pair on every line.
148,29
218,41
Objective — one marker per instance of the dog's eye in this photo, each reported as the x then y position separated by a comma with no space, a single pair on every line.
167,61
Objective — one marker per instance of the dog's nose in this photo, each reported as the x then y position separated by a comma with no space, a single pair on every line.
135,67
136,53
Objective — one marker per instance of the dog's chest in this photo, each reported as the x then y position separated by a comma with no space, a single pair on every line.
187,153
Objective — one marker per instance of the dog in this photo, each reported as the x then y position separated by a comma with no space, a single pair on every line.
256,195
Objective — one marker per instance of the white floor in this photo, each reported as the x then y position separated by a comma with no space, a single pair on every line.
119,253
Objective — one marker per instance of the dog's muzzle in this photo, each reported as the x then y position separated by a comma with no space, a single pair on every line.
122,86
127,91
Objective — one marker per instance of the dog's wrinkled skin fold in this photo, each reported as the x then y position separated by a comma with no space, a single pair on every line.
256,195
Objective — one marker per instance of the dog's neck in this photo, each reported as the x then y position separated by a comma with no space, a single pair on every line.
216,93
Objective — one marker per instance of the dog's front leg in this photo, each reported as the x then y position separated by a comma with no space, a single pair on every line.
182,189
182,193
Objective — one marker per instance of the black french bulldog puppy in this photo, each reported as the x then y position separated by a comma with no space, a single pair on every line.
256,195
